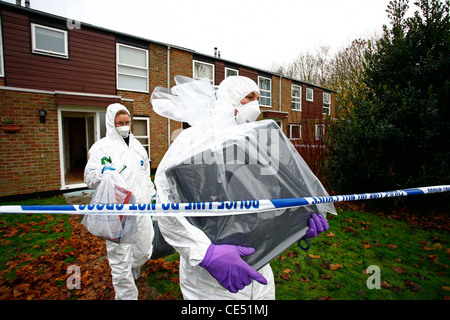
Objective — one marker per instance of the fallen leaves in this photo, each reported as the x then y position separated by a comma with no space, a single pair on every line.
44,277
399,269
335,266
392,246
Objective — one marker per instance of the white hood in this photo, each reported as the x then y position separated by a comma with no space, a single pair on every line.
110,117
198,103
229,95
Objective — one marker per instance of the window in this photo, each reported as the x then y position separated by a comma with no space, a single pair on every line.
132,68
141,131
49,41
231,72
295,131
265,85
2,68
320,131
326,103
309,94
203,70
296,97
279,123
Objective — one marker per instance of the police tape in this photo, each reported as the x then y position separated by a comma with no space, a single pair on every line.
202,209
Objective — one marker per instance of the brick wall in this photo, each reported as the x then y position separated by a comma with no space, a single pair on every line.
29,159
158,124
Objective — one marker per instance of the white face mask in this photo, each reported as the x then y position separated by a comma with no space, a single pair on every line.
124,131
248,112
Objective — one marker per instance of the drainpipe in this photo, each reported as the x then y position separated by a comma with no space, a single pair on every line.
168,86
279,93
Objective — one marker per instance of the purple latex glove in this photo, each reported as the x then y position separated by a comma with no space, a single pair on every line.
224,263
317,224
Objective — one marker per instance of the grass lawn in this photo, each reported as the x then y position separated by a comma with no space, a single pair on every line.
411,261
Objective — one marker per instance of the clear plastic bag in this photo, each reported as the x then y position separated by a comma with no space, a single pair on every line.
218,160
117,228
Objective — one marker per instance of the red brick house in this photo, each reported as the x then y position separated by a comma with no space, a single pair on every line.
72,71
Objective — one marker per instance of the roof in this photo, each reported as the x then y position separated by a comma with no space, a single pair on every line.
64,19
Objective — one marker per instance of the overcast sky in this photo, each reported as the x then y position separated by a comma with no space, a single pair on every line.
256,33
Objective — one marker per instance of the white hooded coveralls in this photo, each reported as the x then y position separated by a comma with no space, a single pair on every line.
196,283
123,258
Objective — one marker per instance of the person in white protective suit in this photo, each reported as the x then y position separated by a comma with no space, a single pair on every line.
128,157
209,271
237,103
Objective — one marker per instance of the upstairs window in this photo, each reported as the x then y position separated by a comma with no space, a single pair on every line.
203,70
310,94
265,90
326,103
132,68
49,41
296,99
2,68
231,72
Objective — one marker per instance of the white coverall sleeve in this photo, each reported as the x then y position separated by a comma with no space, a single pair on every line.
189,241
93,169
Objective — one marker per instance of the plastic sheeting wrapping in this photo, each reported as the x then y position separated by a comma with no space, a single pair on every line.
120,229
218,160
231,172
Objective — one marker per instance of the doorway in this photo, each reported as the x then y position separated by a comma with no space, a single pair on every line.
78,134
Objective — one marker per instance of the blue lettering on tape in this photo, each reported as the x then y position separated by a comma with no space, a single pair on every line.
289,202
63,207
175,206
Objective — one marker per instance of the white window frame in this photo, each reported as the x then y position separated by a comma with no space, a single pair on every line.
296,100
310,91
326,103
320,133
118,46
291,125
194,73
137,118
2,64
231,69
99,112
65,54
279,123
262,91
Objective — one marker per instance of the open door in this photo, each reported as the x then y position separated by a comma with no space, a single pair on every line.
79,132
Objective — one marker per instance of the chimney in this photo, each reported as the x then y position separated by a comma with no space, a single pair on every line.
19,2
27,3
215,51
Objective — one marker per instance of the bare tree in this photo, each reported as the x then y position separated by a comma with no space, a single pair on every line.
340,72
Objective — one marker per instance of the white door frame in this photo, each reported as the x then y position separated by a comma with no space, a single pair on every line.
87,110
